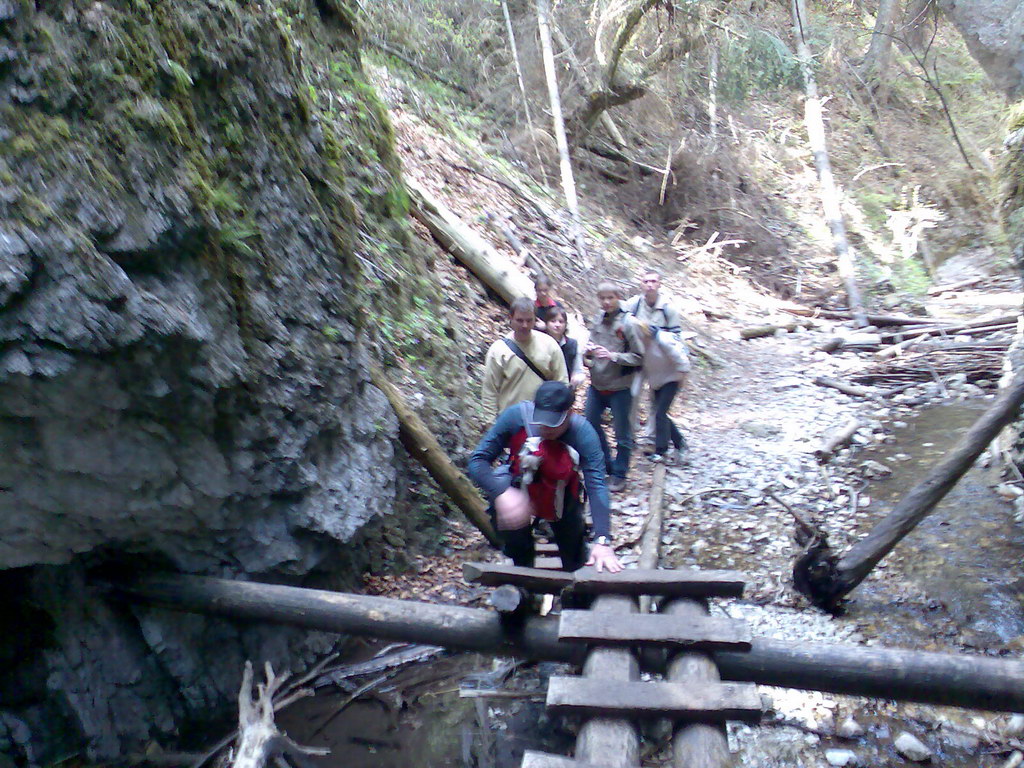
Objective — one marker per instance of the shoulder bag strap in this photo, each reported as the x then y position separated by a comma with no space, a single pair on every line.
522,356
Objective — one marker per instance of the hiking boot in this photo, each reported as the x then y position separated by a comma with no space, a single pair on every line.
616,484
658,458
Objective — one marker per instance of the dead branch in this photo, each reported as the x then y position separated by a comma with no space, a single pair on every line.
836,439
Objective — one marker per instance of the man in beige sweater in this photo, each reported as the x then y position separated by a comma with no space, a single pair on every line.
508,378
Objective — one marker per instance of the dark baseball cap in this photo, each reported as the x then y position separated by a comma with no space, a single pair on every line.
551,404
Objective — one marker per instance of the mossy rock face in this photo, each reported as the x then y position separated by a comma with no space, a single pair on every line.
201,242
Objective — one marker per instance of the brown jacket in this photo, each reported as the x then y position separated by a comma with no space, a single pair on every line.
618,335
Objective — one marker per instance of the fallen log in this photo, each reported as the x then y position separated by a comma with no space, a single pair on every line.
935,290
650,537
835,579
852,341
759,331
696,745
836,439
831,314
421,444
976,327
497,272
847,389
932,678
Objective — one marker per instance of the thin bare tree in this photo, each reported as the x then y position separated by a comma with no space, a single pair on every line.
826,181
565,160
522,88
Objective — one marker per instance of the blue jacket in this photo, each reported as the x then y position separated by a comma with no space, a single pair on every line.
580,436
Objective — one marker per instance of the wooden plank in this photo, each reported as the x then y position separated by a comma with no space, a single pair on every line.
533,579
547,549
548,563
634,581
709,703
667,582
534,759
703,633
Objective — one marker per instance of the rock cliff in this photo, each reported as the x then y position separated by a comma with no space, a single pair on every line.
200,224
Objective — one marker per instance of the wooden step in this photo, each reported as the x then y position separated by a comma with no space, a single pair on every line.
534,759
707,633
548,563
707,702
633,581
546,548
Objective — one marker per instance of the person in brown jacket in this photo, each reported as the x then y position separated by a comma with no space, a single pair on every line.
613,355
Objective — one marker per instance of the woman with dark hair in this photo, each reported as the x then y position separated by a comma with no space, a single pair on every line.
556,327
545,301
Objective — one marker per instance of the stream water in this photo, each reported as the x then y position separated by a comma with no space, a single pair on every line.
957,582
965,557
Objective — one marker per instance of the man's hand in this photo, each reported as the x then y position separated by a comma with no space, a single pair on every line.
602,556
513,510
578,379
601,353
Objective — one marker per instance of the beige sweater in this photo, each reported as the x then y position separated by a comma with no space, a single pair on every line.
508,380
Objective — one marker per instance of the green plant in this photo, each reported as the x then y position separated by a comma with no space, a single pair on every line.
760,63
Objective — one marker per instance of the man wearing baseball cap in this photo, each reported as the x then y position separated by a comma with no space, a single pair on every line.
549,446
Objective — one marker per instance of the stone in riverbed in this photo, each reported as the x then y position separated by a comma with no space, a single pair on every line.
911,748
850,728
841,757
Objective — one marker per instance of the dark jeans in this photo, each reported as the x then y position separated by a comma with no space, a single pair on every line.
664,427
570,534
620,403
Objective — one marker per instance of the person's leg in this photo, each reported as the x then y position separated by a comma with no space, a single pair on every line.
620,403
518,543
636,389
592,412
662,400
570,535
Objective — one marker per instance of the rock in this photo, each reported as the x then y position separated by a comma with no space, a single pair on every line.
1014,726
875,469
911,748
760,429
850,728
841,757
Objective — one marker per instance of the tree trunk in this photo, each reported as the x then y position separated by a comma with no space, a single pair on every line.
588,85
976,682
819,147
522,88
565,162
498,273
423,446
876,61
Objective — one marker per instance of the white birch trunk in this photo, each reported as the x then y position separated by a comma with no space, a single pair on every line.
819,148
565,162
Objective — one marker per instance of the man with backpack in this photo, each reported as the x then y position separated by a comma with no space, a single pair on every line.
651,306
613,356
549,448
520,362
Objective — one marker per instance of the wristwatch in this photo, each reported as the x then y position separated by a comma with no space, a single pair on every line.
604,541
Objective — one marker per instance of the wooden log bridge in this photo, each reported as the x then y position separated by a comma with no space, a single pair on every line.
610,695
976,682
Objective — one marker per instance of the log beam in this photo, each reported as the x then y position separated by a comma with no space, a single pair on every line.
421,444
932,678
